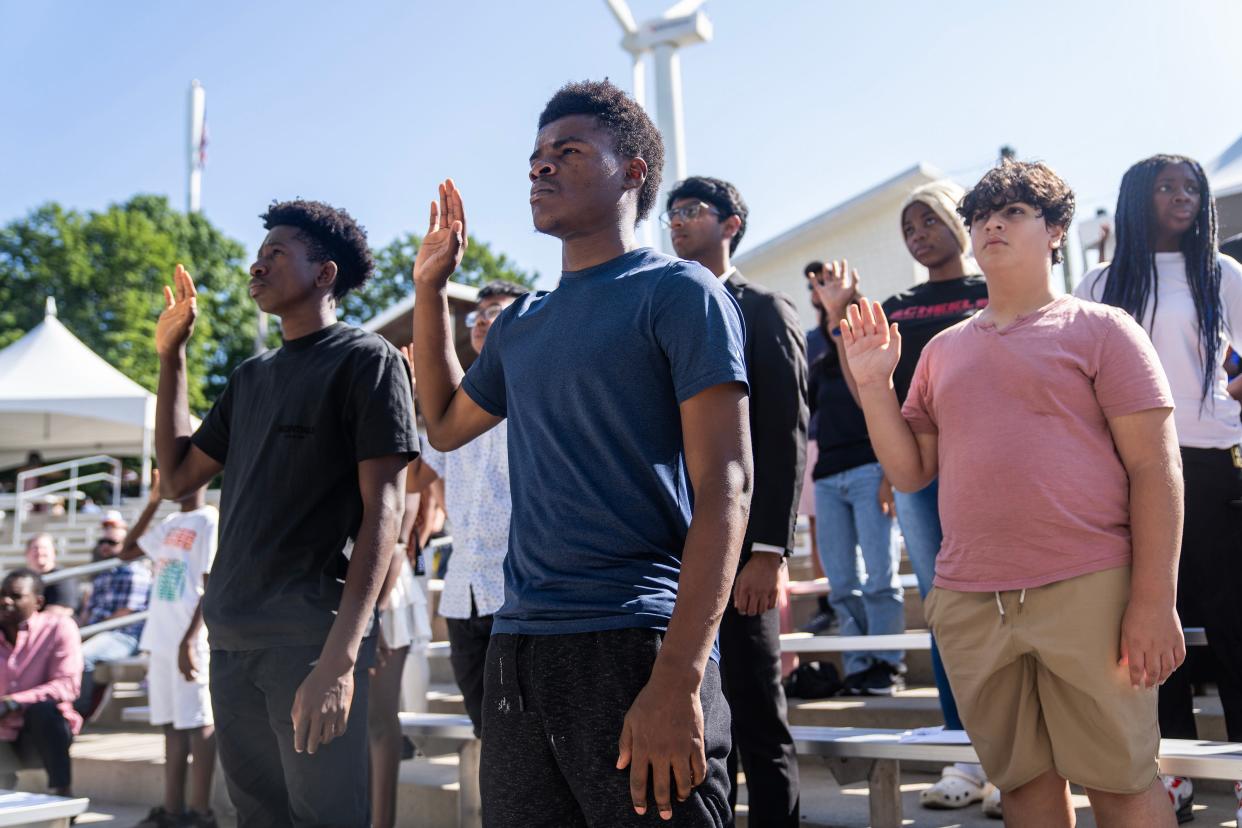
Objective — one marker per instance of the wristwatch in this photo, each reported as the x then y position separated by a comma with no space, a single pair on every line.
10,706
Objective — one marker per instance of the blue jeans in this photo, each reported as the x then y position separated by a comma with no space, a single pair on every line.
866,588
918,513
110,645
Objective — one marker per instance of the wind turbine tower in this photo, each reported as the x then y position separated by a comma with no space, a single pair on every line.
197,146
682,24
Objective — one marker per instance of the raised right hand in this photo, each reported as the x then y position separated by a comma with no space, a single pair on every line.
176,323
872,346
837,286
440,252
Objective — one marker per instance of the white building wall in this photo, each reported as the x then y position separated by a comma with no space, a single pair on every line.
869,236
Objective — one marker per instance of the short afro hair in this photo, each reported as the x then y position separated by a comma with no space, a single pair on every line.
633,133
1029,182
501,288
331,234
717,192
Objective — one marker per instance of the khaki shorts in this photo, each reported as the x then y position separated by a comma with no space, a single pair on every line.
1039,687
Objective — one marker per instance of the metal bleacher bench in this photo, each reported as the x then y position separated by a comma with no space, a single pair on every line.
21,808
38,810
852,754
808,644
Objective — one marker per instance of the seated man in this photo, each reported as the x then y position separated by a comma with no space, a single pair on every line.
40,661
62,597
113,594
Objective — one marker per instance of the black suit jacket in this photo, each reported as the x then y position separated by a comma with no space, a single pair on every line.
777,372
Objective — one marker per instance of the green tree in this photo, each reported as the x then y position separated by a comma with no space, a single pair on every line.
107,270
394,263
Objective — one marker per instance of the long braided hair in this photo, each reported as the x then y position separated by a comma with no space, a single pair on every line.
1132,272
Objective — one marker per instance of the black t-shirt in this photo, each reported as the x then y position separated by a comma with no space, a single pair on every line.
291,427
925,310
816,346
842,434
64,593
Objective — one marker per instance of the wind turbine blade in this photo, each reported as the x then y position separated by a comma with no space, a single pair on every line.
622,12
682,8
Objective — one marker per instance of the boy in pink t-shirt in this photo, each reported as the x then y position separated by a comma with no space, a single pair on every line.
1049,421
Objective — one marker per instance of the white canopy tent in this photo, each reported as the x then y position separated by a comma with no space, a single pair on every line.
61,399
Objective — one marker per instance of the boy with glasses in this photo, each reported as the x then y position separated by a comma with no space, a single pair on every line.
1051,423
706,218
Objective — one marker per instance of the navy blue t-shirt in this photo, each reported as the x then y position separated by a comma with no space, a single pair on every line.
590,376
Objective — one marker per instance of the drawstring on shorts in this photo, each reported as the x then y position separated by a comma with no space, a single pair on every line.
1001,607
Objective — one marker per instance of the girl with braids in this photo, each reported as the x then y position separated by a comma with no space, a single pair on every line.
1168,275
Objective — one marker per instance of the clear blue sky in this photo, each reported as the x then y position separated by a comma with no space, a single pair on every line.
801,104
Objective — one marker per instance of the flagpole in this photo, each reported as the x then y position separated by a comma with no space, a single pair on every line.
198,108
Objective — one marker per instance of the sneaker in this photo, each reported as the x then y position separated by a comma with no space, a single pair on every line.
822,623
1181,793
160,818
194,819
992,803
882,679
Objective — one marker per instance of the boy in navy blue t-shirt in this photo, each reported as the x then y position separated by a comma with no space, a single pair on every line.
625,391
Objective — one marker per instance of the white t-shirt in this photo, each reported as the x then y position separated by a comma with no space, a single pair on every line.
1210,423
182,549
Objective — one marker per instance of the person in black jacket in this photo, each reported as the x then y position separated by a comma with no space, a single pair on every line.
707,218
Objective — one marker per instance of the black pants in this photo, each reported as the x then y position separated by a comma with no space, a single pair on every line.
271,784
468,640
750,666
553,706
1208,590
46,734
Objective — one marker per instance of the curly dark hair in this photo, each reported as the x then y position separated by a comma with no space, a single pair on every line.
717,192
634,135
500,287
1030,182
331,234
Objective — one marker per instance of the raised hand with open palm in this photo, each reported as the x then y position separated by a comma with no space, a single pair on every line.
176,322
872,345
440,252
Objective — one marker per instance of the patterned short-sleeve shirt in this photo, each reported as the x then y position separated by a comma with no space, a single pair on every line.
476,494
126,587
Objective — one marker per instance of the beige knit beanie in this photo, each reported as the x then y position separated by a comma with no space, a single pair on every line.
942,197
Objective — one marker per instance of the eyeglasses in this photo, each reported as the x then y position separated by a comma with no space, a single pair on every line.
688,212
106,542
488,314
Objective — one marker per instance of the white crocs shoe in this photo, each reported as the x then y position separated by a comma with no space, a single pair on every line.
992,803
956,788
1181,793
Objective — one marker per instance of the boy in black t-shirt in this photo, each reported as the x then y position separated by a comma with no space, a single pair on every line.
315,436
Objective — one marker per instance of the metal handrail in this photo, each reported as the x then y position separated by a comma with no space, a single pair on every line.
75,480
92,568
114,623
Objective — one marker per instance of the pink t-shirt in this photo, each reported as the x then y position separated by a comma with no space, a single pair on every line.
1032,490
